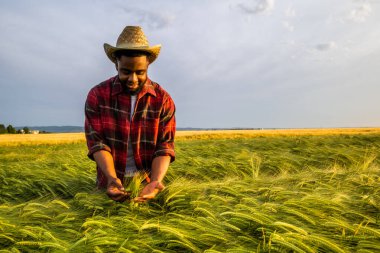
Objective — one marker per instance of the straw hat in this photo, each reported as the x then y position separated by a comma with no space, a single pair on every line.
132,38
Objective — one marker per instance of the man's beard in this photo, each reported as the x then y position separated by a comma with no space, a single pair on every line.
135,91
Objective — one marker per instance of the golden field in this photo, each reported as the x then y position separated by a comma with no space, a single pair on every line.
216,134
57,138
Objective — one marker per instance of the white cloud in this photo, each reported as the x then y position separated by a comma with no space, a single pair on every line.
290,12
326,46
360,13
153,20
288,26
258,6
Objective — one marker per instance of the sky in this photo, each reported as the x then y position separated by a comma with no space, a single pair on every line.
226,63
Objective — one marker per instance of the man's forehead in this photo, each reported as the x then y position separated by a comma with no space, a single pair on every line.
133,60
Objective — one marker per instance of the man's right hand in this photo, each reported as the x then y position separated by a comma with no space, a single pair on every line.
116,191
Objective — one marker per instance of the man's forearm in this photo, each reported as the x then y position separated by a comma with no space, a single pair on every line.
160,166
105,162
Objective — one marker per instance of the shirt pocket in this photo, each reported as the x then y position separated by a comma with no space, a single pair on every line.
148,117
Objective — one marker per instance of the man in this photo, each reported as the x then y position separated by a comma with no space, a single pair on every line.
130,122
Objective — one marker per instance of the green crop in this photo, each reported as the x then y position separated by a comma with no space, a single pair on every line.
257,194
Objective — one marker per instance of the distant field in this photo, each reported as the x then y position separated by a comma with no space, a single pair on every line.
56,138
281,191
216,134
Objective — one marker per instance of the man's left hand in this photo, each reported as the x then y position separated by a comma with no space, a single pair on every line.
150,191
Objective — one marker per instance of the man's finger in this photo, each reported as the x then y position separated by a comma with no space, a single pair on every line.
141,199
145,197
119,198
114,194
149,196
117,195
122,198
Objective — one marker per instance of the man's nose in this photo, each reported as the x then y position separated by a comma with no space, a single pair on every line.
132,78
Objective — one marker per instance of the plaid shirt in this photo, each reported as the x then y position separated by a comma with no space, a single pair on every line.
108,125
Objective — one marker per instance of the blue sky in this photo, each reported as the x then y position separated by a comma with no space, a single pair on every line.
242,63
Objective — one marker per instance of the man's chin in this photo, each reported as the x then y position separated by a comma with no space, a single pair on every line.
133,90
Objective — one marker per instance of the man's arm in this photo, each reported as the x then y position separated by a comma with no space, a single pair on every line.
93,126
115,189
104,161
166,131
160,166
98,150
164,153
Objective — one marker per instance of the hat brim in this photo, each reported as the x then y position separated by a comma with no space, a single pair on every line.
153,51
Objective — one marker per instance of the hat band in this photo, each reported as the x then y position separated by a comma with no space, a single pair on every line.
132,46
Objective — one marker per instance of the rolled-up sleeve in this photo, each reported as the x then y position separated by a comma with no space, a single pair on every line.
93,126
166,131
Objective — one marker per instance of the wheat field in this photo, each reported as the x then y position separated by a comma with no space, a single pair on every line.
58,138
260,191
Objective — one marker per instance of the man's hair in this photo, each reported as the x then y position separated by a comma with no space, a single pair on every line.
130,53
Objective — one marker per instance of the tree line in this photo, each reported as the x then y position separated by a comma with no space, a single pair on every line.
11,130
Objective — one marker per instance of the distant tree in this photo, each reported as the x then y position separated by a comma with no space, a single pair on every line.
3,130
19,131
11,129
26,130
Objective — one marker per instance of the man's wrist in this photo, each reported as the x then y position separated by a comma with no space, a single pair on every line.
111,180
155,182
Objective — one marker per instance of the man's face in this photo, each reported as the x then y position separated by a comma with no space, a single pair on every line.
132,71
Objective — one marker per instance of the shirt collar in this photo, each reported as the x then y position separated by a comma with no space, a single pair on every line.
117,87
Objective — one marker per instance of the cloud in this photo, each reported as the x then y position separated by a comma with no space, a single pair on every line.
259,6
360,13
153,20
326,46
288,26
290,12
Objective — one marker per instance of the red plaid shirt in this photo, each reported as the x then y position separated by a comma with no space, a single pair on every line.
108,125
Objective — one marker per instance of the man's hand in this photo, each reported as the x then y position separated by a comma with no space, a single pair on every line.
150,191
116,191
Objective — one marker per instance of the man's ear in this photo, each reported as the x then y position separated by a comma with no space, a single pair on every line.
116,65
147,58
